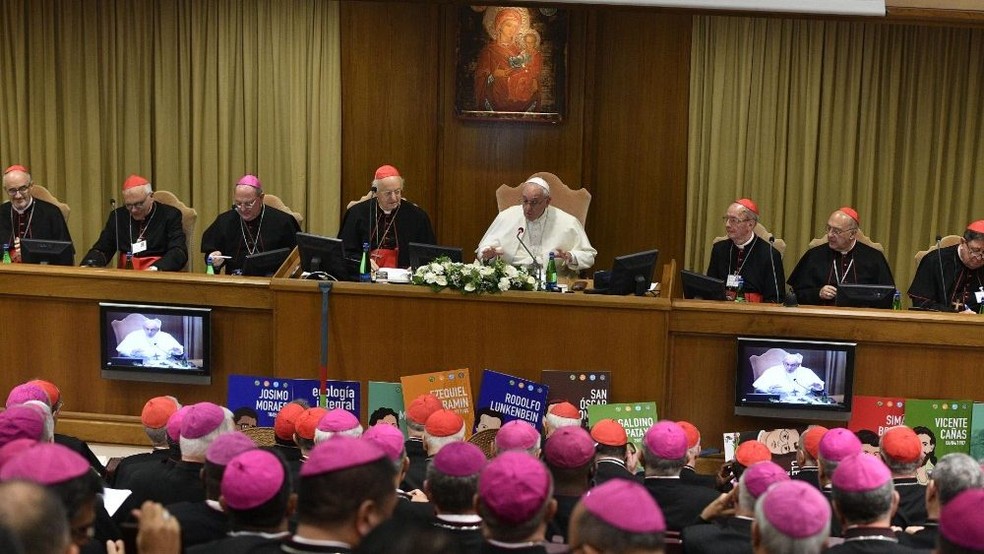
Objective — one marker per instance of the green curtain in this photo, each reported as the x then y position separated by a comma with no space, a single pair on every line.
188,93
808,116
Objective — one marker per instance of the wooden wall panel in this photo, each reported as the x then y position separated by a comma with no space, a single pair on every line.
638,151
390,77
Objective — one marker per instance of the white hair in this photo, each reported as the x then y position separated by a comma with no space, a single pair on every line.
48,433
435,444
556,422
321,436
195,448
798,358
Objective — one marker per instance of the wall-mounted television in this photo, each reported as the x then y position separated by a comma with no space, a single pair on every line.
794,379
163,344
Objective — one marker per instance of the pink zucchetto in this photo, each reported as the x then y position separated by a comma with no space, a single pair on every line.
516,435
796,509
569,448
201,419
839,443
340,452
227,446
174,423
667,440
21,422
27,391
761,476
514,486
45,463
251,479
460,459
249,180
338,420
626,506
387,437
860,473
962,520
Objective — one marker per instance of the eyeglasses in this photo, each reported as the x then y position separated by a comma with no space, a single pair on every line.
137,205
733,220
391,193
975,252
19,190
245,205
838,232
533,203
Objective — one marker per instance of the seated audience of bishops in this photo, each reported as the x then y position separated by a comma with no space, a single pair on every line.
324,483
948,278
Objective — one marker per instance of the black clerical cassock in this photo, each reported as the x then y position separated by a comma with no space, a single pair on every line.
232,236
943,283
41,220
364,222
161,229
822,265
752,263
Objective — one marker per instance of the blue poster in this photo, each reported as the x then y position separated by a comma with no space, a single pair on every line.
508,397
267,395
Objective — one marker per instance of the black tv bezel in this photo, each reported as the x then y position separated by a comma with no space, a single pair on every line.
688,278
790,410
202,376
623,276
346,271
67,252
416,249
847,292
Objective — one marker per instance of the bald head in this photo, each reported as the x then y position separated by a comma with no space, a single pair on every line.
36,517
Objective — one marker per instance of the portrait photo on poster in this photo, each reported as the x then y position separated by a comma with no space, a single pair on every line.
511,63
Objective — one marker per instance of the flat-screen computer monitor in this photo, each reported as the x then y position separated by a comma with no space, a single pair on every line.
698,286
53,252
632,273
327,255
422,254
265,264
865,296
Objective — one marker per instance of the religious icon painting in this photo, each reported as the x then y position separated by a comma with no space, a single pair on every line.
511,63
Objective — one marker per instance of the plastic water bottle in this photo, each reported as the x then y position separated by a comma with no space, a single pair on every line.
6,253
365,269
897,300
740,295
209,267
551,282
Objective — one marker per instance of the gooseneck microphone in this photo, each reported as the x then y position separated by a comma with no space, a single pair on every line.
939,257
535,265
772,260
116,225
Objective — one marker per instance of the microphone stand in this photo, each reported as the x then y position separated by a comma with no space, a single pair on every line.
535,265
939,257
772,260
116,230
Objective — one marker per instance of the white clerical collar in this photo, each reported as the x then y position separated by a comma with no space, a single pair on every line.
314,542
746,243
27,207
460,518
848,251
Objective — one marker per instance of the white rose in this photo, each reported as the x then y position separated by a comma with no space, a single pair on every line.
442,281
504,284
469,287
429,277
510,271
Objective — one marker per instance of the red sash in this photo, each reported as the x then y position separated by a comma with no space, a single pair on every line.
386,257
138,263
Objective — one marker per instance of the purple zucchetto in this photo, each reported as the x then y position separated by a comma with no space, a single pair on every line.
860,473
516,435
27,391
227,446
569,448
625,505
460,459
962,520
338,420
45,463
514,486
839,443
761,476
174,423
251,479
387,437
21,422
340,452
796,509
201,419
666,440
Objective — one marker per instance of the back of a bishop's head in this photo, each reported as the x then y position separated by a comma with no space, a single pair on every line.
791,516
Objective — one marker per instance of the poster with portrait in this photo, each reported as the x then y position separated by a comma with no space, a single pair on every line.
511,63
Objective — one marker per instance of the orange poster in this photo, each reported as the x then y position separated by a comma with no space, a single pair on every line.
452,387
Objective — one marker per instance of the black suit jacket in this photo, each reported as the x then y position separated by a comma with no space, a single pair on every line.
912,503
681,502
732,535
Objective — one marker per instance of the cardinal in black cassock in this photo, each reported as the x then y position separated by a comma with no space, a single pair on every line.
952,279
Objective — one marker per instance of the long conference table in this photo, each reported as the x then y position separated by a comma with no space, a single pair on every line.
679,353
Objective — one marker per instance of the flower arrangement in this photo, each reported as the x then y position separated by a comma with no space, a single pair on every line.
473,278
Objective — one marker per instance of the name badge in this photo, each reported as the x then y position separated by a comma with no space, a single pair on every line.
732,281
138,246
979,295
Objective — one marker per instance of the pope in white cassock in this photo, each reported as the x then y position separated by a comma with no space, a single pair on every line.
544,229
149,342
789,379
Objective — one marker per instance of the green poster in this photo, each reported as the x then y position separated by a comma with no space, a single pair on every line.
636,417
384,399
977,432
942,425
